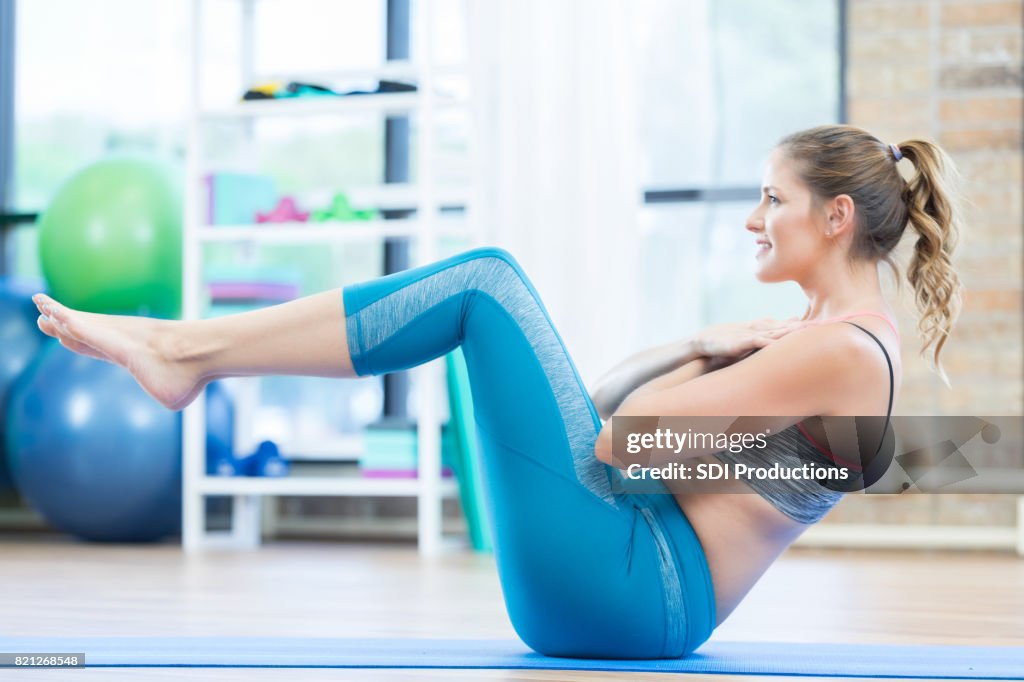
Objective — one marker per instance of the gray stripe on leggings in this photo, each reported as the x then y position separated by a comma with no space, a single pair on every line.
675,610
497,278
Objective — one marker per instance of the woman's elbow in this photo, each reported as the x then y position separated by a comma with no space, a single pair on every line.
604,451
603,446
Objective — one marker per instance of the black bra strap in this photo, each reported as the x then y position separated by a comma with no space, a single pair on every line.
892,380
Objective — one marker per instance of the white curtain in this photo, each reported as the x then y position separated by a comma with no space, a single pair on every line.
555,153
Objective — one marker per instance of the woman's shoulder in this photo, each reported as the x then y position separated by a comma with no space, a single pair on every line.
836,354
841,356
823,343
866,339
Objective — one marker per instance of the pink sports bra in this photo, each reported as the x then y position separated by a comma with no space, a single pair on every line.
869,313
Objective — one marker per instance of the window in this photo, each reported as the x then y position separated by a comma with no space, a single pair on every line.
720,81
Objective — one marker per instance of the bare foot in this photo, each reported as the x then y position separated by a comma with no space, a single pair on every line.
146,347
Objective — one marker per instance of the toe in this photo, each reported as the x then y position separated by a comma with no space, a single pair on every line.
47,326
64,319
42,301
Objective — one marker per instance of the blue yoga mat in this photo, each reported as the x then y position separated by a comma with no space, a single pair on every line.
739,658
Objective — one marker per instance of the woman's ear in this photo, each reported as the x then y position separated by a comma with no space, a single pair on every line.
841,212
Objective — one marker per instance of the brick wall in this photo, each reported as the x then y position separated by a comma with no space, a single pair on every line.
950,71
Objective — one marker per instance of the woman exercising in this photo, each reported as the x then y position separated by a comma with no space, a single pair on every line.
586,569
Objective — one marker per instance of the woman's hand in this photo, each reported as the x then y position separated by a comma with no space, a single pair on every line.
730,340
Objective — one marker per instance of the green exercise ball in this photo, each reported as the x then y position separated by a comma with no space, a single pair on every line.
110,241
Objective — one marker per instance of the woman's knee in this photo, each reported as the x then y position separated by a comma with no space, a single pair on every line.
501,258
492,252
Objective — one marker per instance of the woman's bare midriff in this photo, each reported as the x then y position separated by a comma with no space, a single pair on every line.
741,532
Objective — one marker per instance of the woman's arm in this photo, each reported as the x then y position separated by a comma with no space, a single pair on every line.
691,370
669,364
654,363
812,373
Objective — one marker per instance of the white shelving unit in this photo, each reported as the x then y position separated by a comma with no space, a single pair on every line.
425,228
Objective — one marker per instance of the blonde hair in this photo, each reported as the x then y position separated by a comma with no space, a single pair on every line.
842,159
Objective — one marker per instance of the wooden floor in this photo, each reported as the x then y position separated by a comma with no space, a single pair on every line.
295,589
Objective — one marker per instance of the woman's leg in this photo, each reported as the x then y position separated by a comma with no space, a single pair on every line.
584,572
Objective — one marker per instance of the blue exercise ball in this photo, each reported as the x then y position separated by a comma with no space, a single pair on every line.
92,452
20,340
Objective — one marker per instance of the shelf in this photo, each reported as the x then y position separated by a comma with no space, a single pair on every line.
395,103
396,70
304,233
330,450
320,486
331,527
404,196
347,448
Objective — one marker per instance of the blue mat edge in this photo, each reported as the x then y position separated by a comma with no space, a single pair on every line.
870,660
873,676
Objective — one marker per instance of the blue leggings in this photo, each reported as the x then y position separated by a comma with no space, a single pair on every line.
585,571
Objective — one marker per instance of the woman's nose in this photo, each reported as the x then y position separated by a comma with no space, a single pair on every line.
754,222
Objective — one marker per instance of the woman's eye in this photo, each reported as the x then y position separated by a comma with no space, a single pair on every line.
773,199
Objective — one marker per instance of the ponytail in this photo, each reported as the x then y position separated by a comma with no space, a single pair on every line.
932,213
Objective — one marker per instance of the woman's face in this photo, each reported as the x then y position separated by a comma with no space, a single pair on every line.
790,231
